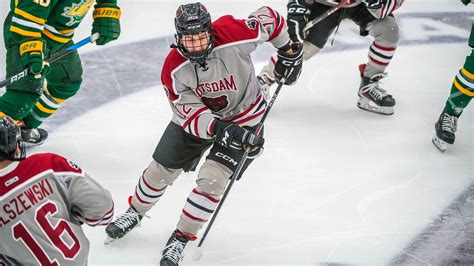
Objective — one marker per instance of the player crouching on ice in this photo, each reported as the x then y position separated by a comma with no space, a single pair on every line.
44,200
217,101
374,18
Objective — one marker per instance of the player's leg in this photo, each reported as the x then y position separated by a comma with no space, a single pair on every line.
175,152
372,97
462,91
63,81
212,181
21,96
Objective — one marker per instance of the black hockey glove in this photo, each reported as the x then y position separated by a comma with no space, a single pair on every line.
289,64
297,20
231,135
374,4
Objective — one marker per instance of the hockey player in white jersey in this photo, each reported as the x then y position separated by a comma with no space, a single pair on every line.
44,199
374,18
216,99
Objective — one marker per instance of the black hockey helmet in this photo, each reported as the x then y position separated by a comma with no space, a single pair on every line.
193,19
10,135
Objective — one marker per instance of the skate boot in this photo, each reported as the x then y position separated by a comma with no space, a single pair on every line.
33,136
266,81
445,128
372,97
122,225
172,254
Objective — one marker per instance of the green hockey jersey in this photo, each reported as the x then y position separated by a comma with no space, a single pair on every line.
52,20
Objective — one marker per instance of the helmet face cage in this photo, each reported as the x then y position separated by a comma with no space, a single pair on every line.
194,19
10,135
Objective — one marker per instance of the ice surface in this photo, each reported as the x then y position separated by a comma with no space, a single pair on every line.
336,185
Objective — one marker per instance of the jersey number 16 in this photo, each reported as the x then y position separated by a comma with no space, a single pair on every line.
53,233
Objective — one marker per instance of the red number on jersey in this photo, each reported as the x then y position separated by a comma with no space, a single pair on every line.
53,232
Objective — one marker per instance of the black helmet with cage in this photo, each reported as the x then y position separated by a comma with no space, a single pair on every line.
10,136
192,19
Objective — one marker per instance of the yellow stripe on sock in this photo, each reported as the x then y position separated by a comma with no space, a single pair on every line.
57,99
25,32
461,89
54,37
44,109
29,16
467,73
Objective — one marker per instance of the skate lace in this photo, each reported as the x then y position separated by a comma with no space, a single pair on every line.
127,219
373,88
174,251
449,123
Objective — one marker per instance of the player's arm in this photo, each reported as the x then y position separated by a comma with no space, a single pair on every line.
290,54
29,18
272,26
90,202
188,109
382,8
190,113
106,17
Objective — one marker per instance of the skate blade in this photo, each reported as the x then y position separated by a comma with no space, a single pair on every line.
441,145
109,240
30,144
383,110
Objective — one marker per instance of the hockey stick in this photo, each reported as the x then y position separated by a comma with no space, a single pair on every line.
324,15
53,58
198,251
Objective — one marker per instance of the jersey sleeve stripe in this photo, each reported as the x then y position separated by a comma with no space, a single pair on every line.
250,117
26,23
259,99
25,32
54,37
196,129
210,128
106,215
29,16
198,112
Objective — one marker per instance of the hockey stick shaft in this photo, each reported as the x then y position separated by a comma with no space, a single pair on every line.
241,163
324,15
53,58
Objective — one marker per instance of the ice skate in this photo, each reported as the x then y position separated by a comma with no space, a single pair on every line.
445,129
33,136
122,225
172,254
372,97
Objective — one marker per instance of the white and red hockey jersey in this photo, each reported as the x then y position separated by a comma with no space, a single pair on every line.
227,88
44,199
